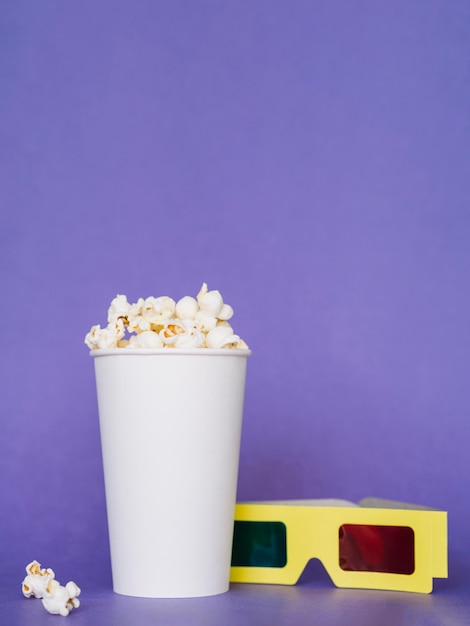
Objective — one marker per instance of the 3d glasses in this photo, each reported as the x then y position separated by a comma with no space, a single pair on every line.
375,544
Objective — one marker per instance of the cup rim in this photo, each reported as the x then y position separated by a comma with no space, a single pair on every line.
170,352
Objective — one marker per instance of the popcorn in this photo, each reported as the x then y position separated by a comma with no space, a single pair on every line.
105,337
146,339
205,322
138,324
226,312
182,334
41,583
36,581
61,600
158,310
186,308
119,309
210,302
154,323
221,337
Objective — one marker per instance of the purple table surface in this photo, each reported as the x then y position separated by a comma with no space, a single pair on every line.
314,600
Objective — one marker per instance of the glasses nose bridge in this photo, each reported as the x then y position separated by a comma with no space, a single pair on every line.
314,536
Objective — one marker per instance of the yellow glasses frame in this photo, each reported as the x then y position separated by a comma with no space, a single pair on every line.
312,531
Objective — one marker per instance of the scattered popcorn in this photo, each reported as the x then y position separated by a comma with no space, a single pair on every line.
200,322
61,600
36,581
41,583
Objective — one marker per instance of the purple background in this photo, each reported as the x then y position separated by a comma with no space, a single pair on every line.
308,159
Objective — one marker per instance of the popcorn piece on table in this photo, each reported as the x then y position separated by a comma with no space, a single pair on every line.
61,600
36,581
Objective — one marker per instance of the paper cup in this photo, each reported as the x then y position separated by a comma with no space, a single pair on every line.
170,424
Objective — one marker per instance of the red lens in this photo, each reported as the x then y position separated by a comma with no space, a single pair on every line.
389,549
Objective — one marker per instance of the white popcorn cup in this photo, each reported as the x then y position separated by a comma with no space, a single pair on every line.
170,423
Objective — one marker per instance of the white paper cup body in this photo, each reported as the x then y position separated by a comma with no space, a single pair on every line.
170,423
